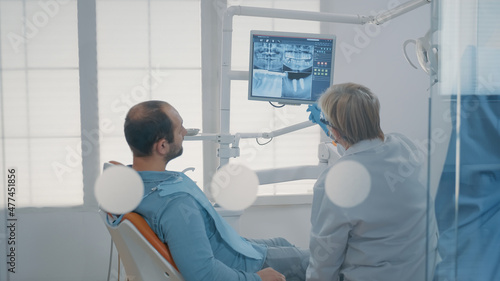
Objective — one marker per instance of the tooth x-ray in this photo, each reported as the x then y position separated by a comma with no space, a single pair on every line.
290,67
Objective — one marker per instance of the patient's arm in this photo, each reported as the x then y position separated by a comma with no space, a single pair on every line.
269,274
182,227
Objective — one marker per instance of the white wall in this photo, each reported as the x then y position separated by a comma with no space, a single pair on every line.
287,221
378,63
61,245
53,245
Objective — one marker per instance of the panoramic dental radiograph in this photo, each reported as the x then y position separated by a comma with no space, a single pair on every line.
282,70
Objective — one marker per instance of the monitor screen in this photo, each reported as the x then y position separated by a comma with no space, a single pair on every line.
290,68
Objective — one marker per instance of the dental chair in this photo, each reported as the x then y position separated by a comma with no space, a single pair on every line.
144,256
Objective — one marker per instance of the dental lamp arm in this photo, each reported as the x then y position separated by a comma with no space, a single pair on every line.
278,175
225,140
326,155
210,137
279,132
398,10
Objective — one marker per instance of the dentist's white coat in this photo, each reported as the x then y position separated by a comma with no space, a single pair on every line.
384,236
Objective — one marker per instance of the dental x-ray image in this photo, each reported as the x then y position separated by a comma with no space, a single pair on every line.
282,70
298,62
290,69
268,74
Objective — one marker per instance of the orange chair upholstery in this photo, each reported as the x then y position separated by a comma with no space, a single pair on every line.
143,255
146,231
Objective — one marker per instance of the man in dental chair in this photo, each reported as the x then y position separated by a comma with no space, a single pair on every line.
203,246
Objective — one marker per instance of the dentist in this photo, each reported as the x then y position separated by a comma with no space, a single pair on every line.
381,232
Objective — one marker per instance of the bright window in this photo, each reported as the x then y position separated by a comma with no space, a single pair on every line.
143,54
40,103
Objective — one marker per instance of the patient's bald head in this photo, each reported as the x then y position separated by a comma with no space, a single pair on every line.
145,124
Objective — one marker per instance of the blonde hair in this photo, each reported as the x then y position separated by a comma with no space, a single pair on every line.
353,110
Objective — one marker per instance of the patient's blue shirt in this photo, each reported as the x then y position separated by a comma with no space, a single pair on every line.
183,222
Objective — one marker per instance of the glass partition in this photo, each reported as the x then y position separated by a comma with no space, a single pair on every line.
464,138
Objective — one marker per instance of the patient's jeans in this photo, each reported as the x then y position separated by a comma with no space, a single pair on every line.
285,258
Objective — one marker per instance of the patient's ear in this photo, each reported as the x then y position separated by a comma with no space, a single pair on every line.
161,147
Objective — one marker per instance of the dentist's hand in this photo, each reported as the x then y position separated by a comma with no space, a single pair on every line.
314,116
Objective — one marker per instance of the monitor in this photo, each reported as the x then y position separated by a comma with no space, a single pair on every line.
290,68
